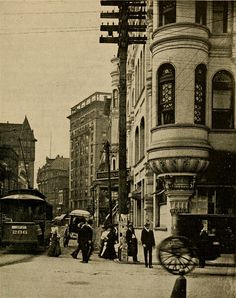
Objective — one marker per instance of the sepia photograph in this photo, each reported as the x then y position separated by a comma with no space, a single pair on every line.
117,149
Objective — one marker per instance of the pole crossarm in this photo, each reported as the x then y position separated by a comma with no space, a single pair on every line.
130,28
123,2
137,40
141,15
109,39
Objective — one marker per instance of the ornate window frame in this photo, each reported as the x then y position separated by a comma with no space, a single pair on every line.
166,94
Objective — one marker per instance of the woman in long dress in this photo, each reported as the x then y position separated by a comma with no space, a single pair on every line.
109,245
54,247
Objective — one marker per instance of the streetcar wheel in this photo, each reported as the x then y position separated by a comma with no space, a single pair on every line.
176,255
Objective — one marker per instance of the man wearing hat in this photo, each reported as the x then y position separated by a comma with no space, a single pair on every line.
148,241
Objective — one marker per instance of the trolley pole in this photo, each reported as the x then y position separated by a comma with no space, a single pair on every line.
129,11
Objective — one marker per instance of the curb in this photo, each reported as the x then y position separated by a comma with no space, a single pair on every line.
157,263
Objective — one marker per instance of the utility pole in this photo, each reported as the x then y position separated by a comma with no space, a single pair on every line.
107,152
131,15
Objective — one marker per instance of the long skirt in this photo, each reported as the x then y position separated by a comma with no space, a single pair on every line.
54,248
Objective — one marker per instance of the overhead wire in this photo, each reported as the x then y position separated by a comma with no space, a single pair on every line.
89,29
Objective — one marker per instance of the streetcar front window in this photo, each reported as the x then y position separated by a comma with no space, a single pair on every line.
22,211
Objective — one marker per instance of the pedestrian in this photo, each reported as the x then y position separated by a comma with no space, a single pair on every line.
148,242
74,254
54,249
132,242
103,238
86,237
203,247
91,244
108,251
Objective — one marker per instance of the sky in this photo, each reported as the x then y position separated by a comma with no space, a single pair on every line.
50,60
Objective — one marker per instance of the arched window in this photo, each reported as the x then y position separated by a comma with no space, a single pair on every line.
200,94
142,138
133,102
167,12
136,83
115,98
143,65
222,97
136,153
138,80
166,98
141,72
113,164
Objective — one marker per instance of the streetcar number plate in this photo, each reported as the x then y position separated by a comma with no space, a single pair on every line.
19,232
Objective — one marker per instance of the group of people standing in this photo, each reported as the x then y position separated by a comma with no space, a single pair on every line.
109,238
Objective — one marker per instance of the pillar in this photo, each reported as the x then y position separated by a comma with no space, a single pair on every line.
179,190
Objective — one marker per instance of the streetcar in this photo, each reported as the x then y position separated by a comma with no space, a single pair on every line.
75,217
25,219
180,253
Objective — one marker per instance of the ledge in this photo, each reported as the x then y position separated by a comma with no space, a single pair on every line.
164,229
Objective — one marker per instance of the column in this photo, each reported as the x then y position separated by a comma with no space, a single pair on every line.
179,190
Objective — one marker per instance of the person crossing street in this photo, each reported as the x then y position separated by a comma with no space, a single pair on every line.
86,237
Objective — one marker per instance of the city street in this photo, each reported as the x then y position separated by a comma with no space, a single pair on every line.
31,276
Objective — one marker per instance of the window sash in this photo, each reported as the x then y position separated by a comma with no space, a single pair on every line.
220,17
201,12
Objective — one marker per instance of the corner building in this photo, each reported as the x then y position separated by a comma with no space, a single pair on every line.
181,113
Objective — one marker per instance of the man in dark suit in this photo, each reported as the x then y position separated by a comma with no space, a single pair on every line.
86,237
148,241
78,248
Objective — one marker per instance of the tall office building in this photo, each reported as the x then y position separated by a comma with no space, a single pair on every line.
89,130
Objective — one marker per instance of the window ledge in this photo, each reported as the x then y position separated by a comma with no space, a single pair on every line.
223,130
164,229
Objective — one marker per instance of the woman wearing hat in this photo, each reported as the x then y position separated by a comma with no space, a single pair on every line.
132,242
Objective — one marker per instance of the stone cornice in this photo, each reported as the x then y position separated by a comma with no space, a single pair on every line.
182,25
187,38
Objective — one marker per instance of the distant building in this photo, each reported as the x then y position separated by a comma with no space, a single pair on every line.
20,138
89,129
9,160
53,182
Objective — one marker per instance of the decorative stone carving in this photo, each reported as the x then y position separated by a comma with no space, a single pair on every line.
148,174
178,181
178,188
179,165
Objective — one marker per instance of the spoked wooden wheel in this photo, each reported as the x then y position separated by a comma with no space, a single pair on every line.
176,255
